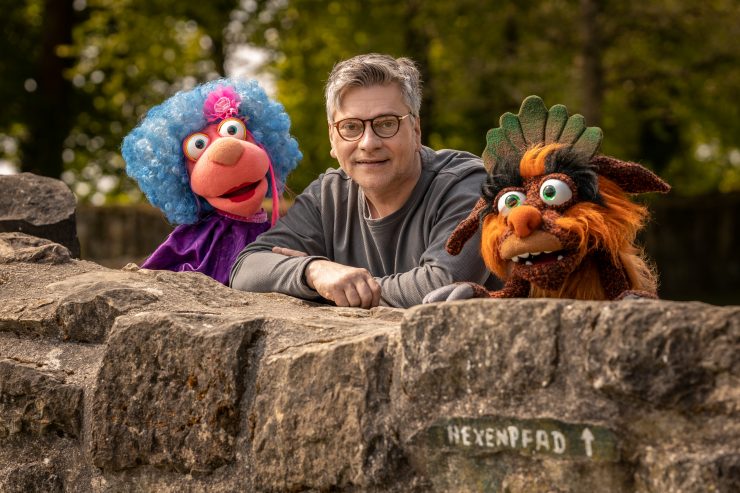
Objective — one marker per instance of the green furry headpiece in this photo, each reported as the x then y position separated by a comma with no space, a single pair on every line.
536,125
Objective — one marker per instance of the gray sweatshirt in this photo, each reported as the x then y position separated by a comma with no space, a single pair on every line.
403,251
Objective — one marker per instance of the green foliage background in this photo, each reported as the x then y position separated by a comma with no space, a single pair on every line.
661,77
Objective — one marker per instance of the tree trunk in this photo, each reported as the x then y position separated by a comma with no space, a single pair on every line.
417,41
592,73
49,113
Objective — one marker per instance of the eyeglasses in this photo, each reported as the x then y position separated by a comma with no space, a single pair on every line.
384,126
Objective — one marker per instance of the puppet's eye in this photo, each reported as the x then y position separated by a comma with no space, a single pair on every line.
195,145
232,127
509,200
555,192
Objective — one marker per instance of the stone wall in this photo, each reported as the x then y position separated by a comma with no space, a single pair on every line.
136,380
133,380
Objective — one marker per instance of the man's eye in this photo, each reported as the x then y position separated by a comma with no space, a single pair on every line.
389,123
350,126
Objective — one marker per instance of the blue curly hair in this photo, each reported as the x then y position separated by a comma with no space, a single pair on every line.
153,150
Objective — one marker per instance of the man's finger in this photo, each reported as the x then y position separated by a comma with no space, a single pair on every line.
376,290
353,296
338,296
366,293
288,252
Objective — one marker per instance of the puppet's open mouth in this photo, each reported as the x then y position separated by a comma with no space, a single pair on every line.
241,193
539,258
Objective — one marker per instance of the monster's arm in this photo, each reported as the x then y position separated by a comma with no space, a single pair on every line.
515,287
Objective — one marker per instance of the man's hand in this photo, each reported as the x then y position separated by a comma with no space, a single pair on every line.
344,285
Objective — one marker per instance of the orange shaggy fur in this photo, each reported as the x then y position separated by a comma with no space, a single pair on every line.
533,162
494,226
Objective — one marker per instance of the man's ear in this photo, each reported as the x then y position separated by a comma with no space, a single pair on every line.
417,132
332,152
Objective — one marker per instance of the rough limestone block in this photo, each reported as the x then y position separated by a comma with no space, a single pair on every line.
29,316
454,350
87,314
683,468
320,419
20,247
168,391
668,355
36,402
35,477
39,206
483,403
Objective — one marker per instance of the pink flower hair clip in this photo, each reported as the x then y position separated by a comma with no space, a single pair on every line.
221,103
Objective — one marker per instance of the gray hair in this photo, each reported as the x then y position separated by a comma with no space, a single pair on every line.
371,70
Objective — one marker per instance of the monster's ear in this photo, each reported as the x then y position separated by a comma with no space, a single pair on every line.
631,177
465,230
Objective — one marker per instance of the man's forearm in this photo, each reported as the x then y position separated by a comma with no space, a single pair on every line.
407,289
267,272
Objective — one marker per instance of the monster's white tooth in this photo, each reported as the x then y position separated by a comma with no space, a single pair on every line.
524,256
515,259
560,257
527,263
547,251
534,254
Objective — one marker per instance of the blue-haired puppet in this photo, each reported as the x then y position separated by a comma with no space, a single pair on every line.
207,158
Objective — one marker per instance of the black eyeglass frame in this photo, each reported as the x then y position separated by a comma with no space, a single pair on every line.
372,127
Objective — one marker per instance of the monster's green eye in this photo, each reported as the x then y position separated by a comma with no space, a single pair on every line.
512,201
509,200
555,192
549,192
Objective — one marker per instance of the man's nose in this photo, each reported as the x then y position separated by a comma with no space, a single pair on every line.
524,220
369,140
226,152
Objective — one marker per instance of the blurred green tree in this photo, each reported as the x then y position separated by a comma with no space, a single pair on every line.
660,77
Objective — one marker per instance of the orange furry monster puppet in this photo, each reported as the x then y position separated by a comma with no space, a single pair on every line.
555,218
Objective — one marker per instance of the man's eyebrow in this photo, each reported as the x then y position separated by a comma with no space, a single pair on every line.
369,118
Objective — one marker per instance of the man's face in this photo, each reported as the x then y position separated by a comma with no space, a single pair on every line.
381,167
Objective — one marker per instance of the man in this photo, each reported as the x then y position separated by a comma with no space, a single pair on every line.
372,232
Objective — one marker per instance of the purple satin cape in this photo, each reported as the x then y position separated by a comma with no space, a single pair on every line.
209,246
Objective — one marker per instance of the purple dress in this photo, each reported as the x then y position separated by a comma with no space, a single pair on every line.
209,246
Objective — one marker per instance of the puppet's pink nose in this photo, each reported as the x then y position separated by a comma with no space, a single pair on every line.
524,219
226,151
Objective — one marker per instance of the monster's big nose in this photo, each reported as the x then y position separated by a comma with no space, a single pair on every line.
226,151
524,220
